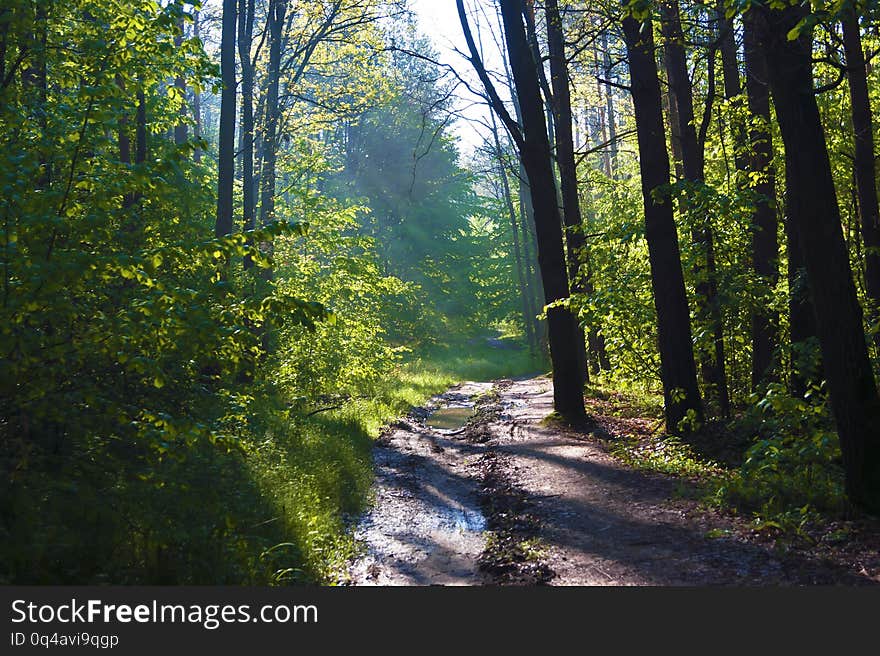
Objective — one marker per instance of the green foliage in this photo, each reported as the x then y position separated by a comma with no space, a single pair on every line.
126,346
795,461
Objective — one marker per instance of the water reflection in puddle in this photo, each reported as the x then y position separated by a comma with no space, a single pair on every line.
451,418
463,519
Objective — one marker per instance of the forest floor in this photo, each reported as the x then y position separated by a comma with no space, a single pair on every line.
514,498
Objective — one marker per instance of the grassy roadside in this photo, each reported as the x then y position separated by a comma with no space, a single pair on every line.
271,509
315,472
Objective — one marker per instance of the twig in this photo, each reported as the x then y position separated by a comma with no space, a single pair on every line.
327,409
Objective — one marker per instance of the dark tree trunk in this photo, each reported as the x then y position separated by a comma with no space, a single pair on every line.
765,245
571,209
140,136
181,131
245,39
34,78
677,369
277,11
611,150
681,95
866,184
197,99
851,385
535,154
527,222
801,317
727,45
530,258
226,145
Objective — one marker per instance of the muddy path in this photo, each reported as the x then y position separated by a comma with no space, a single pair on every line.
513,499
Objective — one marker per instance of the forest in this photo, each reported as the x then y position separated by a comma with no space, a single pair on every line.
250,246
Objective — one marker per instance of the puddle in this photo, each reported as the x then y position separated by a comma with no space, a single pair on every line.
451,418
465,520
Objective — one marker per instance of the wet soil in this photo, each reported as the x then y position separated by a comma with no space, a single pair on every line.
511,498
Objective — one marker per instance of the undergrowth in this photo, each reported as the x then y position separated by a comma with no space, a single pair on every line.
790,477
272,508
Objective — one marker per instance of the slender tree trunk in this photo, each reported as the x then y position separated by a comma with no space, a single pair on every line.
609,107
571,210
712,363
181,130
851,385
140,135
866,183
34,79
277,11
535,154
677,369
245,40
122,139
197,98
765,244
226,145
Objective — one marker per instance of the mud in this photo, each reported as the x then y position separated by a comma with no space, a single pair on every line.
514,499
425,526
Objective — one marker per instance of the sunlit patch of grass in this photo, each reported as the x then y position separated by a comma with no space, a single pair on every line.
666,455
316,472
627,402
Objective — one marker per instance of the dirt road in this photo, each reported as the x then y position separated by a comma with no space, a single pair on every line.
511,499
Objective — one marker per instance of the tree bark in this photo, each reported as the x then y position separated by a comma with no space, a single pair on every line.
277,12
226,145
197,99
245,40
801,317
514,230
571,209
866,184
534,148
851,384
712,362
677,369
765,243
181,130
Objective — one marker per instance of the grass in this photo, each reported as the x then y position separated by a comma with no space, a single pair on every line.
317,471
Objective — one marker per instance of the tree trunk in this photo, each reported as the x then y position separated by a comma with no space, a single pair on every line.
571,209
765,246
514,230
801,317
197,99
226,145
277,11
527,221
245,40
181,131
535,154
866,185
609,108
712,362
851,385
677,369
